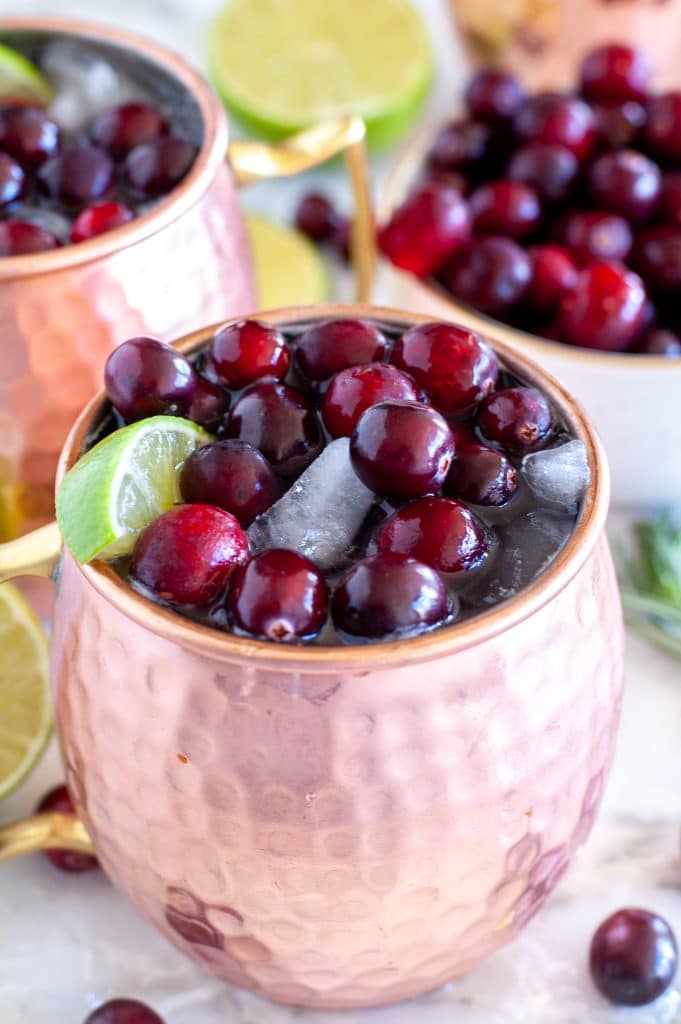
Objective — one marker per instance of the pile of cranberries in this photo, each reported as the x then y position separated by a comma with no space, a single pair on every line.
126,158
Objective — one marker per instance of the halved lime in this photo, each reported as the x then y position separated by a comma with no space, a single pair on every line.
281,67
25,702
289,270
122,484
21,80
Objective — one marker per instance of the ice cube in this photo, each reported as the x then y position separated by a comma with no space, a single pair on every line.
321,514
85,84
558,476
50,219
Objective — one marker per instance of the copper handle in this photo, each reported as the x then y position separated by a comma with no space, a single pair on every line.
46,831
257,161
35,554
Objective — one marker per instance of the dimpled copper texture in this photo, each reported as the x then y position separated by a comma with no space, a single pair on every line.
342,827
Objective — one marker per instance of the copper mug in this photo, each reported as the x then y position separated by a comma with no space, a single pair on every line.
335,827
185,262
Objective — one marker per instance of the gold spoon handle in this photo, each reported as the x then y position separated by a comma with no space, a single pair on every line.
46,831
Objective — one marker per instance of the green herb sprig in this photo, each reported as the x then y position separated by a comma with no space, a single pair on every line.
651,582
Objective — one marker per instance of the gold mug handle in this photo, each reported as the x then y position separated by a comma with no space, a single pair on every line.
258,161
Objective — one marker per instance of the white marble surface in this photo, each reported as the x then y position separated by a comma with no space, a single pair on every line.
67,943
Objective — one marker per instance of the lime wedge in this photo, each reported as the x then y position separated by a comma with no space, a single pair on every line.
21,80
289,270
122,484
25,702
281,67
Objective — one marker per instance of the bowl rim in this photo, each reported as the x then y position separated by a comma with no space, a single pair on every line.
209,641
211,155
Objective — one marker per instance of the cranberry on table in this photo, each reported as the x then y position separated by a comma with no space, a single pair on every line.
659,342
143,377
210,404
554,273
493,96
506,208
454,366
95,220
633,957
58,801
492,275
669,207
626,182
233,475
28,134
605,310
281,422
243,352
657,258
153,168
279,595
619,124
518,419
426,230
187,555
18,238
562,120
482,476
551,170
333,345
615,73
316,217
385,596
441,532
402,450
78,176
123,1011
355,389
594,235
462,145
662,131
12,180
121,128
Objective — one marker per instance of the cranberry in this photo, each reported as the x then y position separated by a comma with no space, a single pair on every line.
95,220
333,345
492,275
233,475
243,352
462,145
449,179
454,366
493,95
505,208
187,555
627,183
660,342
389,595
443,533
341,238
594,235
279,595
615,73
402,449
554,273
78,176
482,476
12,181
355,389
281,422
28,134
663,127
154,168
316,217
605,309
18,237
428,228
210,404
123,1011
517,419
143,377
633,957
669,207
122,128
58,801
619,124
549,169
563,120
657,258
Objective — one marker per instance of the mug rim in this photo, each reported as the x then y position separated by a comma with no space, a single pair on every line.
481,627
211,154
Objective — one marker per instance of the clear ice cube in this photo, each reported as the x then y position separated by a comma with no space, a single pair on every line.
321,514
85,84
558,476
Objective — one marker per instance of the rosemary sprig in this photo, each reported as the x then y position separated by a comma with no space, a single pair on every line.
651,592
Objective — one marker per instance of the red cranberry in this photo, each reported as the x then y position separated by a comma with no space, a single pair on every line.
518,419
669,207
389,595
605,309
18,237
143,377
333,345
492,275
448,179
443,533
462,145
554,273
619,124
482,476
428,228
340,239
563,120
493,95
549,169
633,957
355,389
659,342
280,596
615,73
210,404
122,128
663,127
402,449
505,208
78,176
627,183
58,801
281,422
154,168
657,258
243,352
28,134
123,1011
454,366
594,235
233,475
12,181
316,217
187,555
95,220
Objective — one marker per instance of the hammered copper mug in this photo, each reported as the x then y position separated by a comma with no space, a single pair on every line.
184,262
335,826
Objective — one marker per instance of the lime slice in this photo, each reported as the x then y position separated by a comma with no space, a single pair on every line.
289,270
123,484
21,80
25,703
281,67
